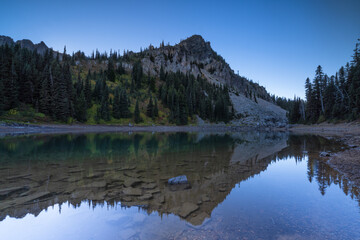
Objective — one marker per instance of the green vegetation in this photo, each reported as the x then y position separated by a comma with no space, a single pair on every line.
97,89
331,98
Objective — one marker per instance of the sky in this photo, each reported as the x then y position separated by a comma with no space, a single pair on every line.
277,43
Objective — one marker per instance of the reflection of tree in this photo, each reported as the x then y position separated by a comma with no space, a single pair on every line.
308,147
205,159
152,146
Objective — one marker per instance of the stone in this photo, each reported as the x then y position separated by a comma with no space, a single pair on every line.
100,184
32,197
98,196
199,219
153,191
130,182
74,178
132,174
95,175
132,191
18,176
8,191
205,198
127,168
126,199
178,180
147,180
149,186
146,196
187,208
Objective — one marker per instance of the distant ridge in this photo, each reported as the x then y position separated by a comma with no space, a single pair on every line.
25,43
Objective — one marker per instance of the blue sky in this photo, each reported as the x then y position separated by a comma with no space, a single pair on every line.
276,43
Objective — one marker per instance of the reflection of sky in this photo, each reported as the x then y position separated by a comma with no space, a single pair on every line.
280,201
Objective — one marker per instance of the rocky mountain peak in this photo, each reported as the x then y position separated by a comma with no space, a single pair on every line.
26,43
6,40
196,45
41,48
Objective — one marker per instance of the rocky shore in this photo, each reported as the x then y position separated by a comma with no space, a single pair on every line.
347,162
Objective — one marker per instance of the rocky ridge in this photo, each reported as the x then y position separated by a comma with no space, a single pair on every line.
25,43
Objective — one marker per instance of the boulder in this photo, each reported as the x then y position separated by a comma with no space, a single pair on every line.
178,180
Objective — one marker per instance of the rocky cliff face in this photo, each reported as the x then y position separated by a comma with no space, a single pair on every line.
25,43
195,56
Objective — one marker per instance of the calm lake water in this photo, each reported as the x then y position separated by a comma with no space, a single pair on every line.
115,186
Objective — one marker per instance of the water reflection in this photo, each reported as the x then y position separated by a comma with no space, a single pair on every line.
133,170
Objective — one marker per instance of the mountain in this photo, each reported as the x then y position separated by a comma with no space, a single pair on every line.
251,103
194,55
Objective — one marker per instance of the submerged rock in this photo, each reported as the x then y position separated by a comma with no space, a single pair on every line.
146,196
199,219
8,191
149,185
132,191
130,182
187,208
205,198
100,184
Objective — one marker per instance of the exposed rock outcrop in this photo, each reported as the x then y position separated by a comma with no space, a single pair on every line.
25,43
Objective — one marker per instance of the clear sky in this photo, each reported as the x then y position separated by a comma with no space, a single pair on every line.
277,43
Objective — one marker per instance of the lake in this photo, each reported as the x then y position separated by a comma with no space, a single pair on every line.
248,185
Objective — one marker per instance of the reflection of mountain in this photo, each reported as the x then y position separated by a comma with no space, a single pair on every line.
38,172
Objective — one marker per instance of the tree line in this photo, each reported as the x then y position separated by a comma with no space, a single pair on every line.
335,97
49,84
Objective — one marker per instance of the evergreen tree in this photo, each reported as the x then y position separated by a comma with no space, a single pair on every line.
182,108
137,74
104,108
116,104
151,84
120,69
2,97
124,105
12,99
137,117
110,71
87,91
80,107
46,90
156,110
150,108
162,74
61,99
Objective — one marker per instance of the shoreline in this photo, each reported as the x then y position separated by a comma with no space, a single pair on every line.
346,162
23,129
